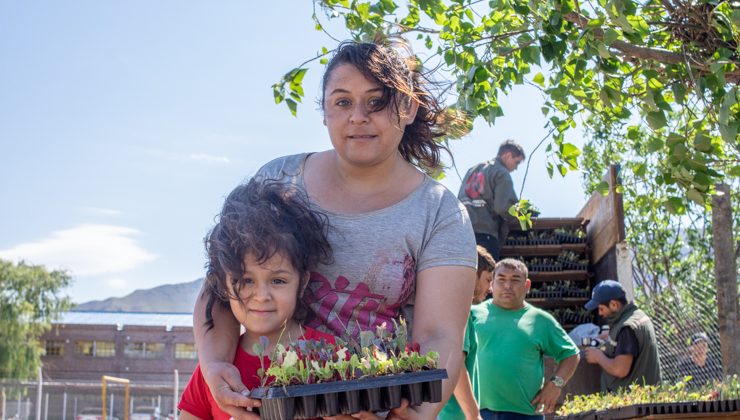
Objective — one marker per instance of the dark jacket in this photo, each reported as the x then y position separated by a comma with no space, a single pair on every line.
487,192
645,368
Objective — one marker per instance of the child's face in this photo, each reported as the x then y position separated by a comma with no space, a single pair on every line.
268,296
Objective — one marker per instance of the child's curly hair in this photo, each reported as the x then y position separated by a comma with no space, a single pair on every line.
263,217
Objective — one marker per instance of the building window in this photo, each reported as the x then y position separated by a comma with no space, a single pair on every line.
185,351
54,348
95,348
105,349
144,349
85,348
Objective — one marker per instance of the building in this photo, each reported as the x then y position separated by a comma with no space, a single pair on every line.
141,347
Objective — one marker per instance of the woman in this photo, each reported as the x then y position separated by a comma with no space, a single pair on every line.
402,244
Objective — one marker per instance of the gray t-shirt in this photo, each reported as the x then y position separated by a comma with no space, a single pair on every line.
378,254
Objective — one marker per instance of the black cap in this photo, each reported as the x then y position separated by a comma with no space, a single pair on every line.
604,292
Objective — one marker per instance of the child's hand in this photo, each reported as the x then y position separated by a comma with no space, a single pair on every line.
226,386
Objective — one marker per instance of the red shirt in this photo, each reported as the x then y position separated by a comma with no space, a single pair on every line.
197,399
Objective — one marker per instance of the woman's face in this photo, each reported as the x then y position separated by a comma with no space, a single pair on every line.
361,137
268,296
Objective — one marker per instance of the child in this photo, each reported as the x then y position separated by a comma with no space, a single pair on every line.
463,405
260,252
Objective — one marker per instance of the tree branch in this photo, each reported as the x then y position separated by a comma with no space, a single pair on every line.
645,53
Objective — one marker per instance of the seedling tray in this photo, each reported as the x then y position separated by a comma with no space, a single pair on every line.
677,410
346,397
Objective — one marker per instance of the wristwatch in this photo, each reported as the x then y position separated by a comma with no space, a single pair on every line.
557,381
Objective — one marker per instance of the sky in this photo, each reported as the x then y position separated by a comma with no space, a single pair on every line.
123,126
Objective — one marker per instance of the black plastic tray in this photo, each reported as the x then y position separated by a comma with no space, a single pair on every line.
347,397
641,410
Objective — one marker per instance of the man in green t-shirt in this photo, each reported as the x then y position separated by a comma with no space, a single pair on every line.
463,405
513,337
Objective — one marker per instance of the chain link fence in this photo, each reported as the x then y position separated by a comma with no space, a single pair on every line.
65,400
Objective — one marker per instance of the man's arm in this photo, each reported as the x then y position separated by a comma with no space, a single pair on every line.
464,394
504,195
625,352
618,367
548,396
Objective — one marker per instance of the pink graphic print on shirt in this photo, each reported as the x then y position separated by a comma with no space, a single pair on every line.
343,306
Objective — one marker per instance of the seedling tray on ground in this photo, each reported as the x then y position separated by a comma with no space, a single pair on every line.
346,397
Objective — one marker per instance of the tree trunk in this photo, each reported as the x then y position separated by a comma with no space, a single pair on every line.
725,273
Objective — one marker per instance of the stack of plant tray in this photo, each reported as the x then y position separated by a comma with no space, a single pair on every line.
379,393
677,410
555,250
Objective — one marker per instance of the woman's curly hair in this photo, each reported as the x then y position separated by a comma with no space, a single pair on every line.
263,218
401,80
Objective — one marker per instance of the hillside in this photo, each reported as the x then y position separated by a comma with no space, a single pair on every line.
167,298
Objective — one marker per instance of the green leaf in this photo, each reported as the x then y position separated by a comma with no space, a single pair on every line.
539,79
655,144
293,106
563,170
655,84
679,92
702,142
570,150
675,205
656,120
602,188
695,196
729,132
640,170
610,35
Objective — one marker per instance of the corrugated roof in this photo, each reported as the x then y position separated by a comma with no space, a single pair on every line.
126,318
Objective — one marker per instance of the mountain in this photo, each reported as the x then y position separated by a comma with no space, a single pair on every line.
167,298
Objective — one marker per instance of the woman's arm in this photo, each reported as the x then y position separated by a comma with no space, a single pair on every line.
216,348
441,309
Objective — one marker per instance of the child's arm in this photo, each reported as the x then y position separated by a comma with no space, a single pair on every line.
464,394
216,349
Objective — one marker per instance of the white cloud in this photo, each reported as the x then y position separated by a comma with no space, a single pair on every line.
116,283
204,157
85,250
101,211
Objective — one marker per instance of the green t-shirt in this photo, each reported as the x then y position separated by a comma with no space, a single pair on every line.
511,345
452,410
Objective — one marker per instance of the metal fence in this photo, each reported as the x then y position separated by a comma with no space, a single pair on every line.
65,400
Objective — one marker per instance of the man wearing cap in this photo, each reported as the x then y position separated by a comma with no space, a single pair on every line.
698,365
631,354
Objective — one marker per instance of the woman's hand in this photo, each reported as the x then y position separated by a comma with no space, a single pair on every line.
226,386
406,412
